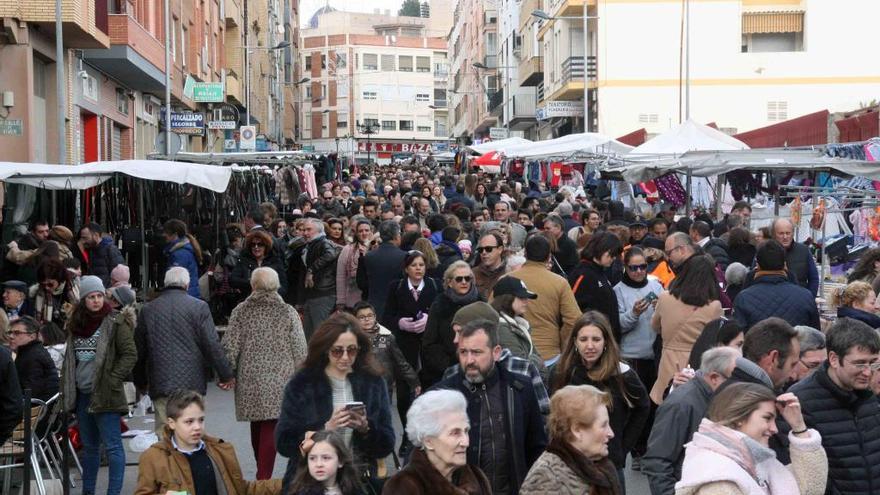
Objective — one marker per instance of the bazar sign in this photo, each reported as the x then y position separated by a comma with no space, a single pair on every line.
396,147
553,109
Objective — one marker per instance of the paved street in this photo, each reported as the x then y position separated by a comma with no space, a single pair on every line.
221,422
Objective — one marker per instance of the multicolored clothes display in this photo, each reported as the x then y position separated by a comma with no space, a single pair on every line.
670,189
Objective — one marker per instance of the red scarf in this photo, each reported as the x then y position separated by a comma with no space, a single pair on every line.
91,321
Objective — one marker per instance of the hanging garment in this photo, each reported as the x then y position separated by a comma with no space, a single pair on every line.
671,190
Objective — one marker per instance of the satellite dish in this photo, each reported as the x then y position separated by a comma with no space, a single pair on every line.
176,143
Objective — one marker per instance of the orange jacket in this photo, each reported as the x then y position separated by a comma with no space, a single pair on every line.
663,273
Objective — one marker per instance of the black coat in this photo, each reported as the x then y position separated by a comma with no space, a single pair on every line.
438,349
593,290
240,278
36,371
401,303
103,258
10,395
321,258
849,422
308,404
718,250
526,436
774,295
567,253
375,272
627,421
742,253
870,319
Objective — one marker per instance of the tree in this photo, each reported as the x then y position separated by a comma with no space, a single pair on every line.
411,8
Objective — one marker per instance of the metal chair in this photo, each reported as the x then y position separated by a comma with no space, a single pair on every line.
12,453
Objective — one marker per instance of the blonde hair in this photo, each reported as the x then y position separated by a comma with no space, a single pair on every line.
572,405
424,245
735,403
854,292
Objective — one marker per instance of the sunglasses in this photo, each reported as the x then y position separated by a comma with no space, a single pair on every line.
466,278
351,350
257,244
638,268
486,249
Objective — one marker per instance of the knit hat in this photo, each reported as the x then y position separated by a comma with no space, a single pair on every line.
466,247
120,276
90,284
475,311
123,295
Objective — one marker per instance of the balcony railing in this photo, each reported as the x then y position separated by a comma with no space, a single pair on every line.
440,103
491,61
573,69
524,106
495,99
540,90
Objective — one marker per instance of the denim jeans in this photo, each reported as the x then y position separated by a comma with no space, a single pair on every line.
94,430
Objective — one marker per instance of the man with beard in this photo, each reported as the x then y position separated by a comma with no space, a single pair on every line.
507,430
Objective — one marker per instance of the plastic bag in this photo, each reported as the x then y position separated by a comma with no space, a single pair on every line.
142,442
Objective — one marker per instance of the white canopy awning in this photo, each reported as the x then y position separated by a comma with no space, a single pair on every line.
69,177
712,163
565,146
688,136
499,145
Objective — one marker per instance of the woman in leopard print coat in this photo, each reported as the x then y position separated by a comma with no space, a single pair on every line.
265,344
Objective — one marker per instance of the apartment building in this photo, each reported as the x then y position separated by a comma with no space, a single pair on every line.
374,84
750,63
514,104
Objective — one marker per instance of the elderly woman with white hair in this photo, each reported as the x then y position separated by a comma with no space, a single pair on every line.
437,425
265,344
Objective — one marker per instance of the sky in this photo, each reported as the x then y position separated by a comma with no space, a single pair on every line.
308,7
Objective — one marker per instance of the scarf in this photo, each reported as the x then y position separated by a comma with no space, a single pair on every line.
768,273
91,321
736,446
471,296
354,259
601,475
632,283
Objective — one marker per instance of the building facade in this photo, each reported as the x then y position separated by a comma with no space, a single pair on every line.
374,84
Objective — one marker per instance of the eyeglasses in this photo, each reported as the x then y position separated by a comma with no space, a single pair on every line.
15,332
366,318
257,244
351,350
670,251
638,268
486,249
466,278
810,366
875,366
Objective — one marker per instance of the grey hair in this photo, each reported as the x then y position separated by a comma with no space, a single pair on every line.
424,415
810,339
317,223
177,276
718,360
447,275
265,279
736,273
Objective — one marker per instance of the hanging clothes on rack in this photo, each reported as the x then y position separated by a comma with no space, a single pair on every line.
671,190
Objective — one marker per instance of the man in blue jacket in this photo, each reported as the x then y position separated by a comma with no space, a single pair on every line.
507,430
773,294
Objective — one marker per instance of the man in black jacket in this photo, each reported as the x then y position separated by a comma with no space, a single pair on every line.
34,366
798,259
507,430
838,403
380,266
319,259
103,254
701,234
10,395
566,250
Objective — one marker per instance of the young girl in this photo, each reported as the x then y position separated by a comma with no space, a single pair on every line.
325,468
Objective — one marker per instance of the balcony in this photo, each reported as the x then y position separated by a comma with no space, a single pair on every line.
135,57
496,98
491,61
531,71
234,90
84,23
573,69
232,10
440,103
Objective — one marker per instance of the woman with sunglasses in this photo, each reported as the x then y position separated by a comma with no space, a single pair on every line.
589,281
636,296
338,388
438,349
54,289
257,252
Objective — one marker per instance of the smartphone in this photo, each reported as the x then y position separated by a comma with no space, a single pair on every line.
651,297
356,406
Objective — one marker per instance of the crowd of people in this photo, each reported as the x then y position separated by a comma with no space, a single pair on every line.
530,341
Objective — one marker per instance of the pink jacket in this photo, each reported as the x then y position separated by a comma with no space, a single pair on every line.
714,465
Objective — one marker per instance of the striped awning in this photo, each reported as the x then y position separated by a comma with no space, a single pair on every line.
772,22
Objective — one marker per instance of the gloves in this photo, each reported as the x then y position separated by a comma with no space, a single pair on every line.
412,326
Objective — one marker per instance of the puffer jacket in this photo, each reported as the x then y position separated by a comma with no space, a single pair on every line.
849,422
103,258
163,469
181,253
774,295
115,357
870,319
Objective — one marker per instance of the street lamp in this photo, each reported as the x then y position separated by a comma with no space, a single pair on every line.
247,72
544,16
369,130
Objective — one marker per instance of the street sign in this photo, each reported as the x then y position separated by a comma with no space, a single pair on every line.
10,127
186,122
208,92
229,145
559,108
222,124
176,142
248,138
498,133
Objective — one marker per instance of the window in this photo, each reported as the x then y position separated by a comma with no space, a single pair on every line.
174,39
325,120
342,88
323,62
406,63
371,61
121,101
323,91
423,128
370,95
184,34
423,64
772,42
772,31
388,63
308,62
423,97
309,91
777,111
205,47
307,124
371,122
341,60
648,118
342,120
389,125
406,125
90,88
